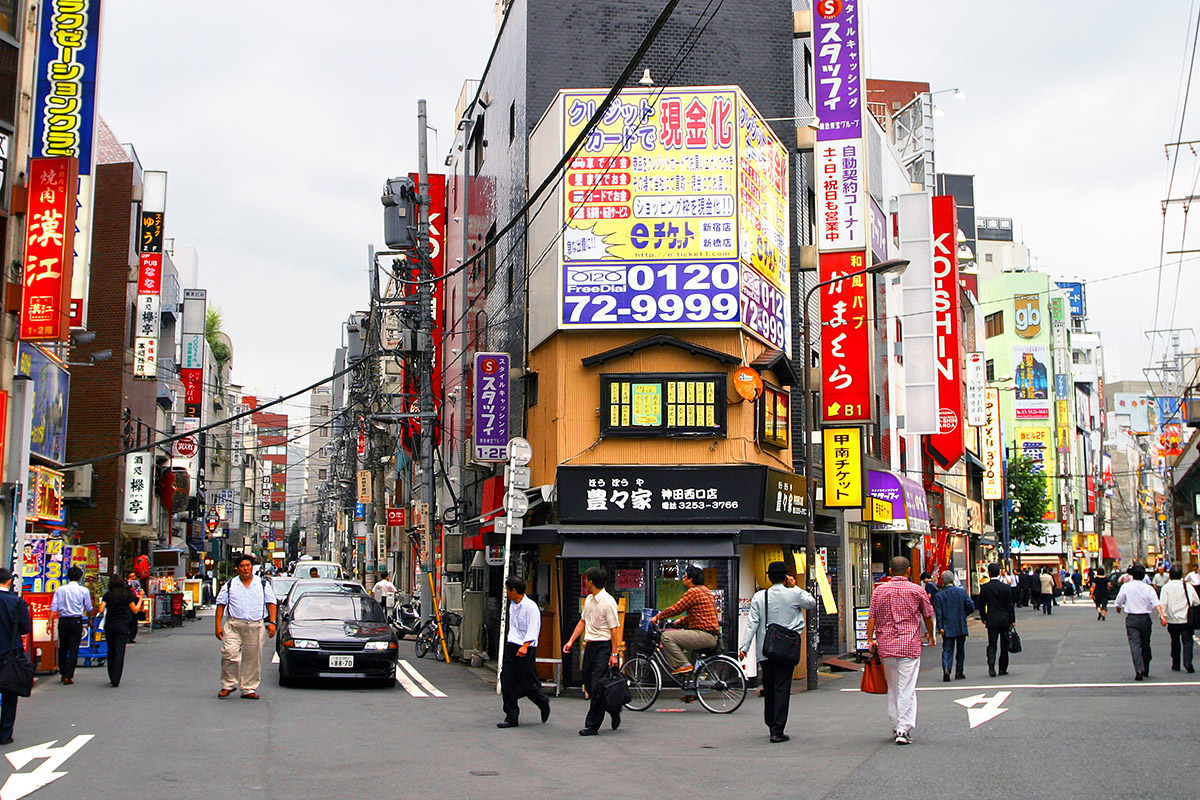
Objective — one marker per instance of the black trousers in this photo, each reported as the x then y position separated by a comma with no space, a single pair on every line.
595,664
70,632
1181,639
998,636
8,716
116,658
133,628
777,693
1137,628
519,679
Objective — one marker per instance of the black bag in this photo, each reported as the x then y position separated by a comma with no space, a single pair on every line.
614,690
781,643
1014,640
1193,612
16,670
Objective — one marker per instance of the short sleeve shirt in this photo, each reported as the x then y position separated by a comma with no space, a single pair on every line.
599,617
898,607
248,603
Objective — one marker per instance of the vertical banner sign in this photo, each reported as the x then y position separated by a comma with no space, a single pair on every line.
364,486
437,259
191,373
946,446
49,238
993,448
139,473
843,467
846,373
843,216
64,120
976,383
490,420
149,288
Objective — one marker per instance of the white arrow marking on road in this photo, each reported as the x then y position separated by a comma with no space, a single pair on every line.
275,658
20,784
991,707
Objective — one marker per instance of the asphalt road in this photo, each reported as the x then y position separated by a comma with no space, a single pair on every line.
1073,721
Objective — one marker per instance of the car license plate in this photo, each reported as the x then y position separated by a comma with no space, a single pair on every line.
341,661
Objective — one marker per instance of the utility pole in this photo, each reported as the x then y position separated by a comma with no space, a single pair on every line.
425,354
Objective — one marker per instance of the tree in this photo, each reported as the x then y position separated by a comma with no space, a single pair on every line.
213,319
1029,501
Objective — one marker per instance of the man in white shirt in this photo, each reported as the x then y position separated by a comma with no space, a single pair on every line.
71,603
600,627
519,677
1177,597
242,604
1193,576
384,591
1139,600
1160,579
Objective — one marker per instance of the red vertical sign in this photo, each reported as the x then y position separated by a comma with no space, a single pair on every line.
946,446
49,249
846,373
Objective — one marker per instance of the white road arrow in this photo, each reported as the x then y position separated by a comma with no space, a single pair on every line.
976,716
20,784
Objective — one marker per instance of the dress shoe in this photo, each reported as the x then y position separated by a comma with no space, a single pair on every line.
782,737
1174,669
250,696
546,712
991,672
508,723
616,720
68,681
5,741
959,676
1003,672
225,693
588,731
945,676
1190,669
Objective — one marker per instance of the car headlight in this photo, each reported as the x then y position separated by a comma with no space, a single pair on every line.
304,644
380,645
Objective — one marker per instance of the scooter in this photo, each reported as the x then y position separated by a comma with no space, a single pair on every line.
406,617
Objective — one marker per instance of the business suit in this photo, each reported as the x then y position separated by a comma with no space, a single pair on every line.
15,622
952,604
998,614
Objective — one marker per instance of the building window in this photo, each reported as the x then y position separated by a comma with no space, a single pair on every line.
322,474
512,121
990,370
987,257
774,417
664,404
994,324
808,66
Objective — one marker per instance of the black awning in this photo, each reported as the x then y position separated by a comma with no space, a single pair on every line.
778,362
648,547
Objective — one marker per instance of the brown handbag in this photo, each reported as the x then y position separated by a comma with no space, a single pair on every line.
874,681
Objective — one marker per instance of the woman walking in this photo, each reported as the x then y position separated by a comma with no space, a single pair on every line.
1100,593
121,605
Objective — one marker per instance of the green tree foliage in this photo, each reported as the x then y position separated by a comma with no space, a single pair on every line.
1030,500
213,320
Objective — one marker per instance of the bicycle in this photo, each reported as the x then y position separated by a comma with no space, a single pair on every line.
434,632
716,680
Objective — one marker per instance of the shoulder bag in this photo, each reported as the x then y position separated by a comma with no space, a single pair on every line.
1193,611
1014,640
16,670
780,643
874,679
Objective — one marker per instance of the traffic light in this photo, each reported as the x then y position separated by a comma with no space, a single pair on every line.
400,213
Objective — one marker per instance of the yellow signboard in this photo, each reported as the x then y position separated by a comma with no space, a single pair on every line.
762,197
843,467
877,510
827,597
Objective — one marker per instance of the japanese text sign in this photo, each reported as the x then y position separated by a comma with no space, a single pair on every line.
1031,373
993,448
1076,297
846,369
843,467
837,68
490,422
842,213
395,517
151,237
49,249
139,478
976,366
946,446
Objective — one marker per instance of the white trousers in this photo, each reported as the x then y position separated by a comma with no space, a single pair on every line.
902,692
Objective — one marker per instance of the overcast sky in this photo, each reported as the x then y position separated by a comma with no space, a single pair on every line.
278,124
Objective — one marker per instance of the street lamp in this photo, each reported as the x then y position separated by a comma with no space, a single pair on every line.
812,407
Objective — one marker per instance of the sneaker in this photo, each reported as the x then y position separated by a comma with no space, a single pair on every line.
903,738
684,670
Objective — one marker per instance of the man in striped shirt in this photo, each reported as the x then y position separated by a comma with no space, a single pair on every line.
894,628
700,625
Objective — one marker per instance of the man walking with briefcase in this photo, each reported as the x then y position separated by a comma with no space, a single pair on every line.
782,604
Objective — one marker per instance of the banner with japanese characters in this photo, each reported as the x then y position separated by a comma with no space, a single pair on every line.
139,475
675,214
846,364
49,245
490,406
993,448
150,264
837,69
842,212
843,467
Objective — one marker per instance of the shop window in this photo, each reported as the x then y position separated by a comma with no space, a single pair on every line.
665,404
774,417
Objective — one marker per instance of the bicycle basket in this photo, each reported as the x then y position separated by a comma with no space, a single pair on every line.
647,641
451,618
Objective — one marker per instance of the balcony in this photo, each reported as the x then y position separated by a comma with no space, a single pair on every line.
1191,406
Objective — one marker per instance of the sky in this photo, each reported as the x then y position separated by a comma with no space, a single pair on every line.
279,129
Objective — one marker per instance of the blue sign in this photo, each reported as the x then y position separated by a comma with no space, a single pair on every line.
360,512
64,111
1061,387
51,391
1076,298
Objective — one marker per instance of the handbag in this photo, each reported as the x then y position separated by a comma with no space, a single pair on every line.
1193,612
780,642
16,670
614,690
1014,640
874,680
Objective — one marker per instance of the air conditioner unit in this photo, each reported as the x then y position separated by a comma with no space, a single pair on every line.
77,482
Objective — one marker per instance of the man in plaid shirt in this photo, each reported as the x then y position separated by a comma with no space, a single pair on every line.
700,625
894,630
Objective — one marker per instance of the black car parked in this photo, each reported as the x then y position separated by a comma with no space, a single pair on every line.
336,635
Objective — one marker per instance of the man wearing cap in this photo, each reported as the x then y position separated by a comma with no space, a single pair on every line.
782,603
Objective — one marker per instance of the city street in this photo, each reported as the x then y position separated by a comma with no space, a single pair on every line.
1072,717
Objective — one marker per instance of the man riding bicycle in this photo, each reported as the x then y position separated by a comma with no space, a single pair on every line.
700,624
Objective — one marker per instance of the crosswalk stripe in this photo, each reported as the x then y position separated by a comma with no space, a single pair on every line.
409,685
419,678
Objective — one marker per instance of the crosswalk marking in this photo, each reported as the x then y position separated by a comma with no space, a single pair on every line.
408,683
419,678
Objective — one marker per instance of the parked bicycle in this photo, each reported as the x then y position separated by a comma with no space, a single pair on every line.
716,680
434,632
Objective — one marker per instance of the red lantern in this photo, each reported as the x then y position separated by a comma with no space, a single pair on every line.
141,567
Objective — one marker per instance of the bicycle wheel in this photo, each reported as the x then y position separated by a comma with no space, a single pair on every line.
721,685
425,639
644,683
440,655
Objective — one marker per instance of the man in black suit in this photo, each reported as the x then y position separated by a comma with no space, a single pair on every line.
998,614
15,622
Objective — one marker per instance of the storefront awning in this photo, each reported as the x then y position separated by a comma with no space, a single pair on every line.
1109,549
1039,561
683,537
648,547
910,508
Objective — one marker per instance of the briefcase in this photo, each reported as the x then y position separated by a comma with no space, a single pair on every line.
614,690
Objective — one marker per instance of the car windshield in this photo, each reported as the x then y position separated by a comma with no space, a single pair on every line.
281,585
328,571
337,607
302,587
